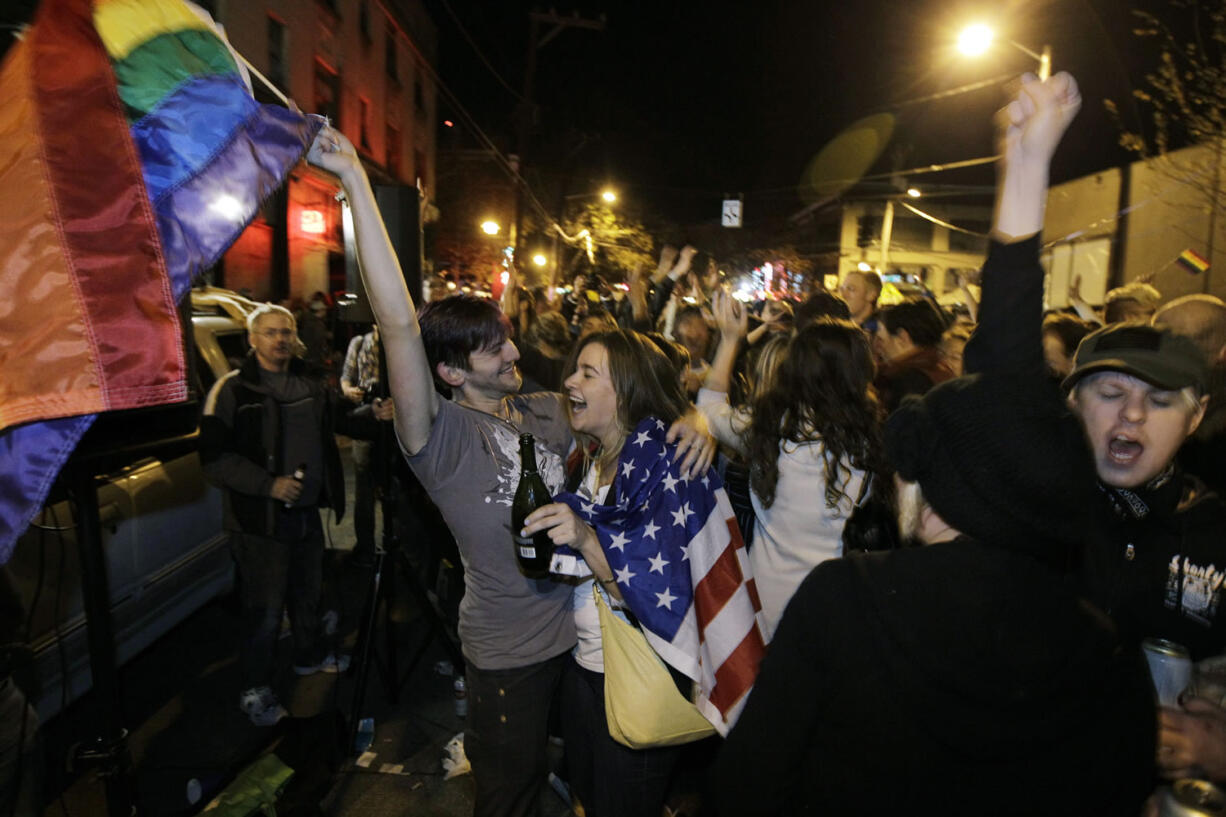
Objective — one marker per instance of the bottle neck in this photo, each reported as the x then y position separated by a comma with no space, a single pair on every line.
527,457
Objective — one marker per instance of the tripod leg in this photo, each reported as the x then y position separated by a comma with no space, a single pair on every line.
365,644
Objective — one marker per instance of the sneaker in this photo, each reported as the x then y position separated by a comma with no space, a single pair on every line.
331,663
261,706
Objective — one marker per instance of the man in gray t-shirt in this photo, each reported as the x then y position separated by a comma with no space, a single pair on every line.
516,631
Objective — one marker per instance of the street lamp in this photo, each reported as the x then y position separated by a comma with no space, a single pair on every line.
490,227
609,195
977,39
540,260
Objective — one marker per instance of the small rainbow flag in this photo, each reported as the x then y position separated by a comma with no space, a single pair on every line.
132,154
1193,261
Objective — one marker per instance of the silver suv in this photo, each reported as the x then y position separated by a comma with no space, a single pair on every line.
162,534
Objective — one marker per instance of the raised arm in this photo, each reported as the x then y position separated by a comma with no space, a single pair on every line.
732,320
412,387
1008,336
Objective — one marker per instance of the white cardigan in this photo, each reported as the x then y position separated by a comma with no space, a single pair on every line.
798,531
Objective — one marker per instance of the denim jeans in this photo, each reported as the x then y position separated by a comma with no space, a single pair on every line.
610,780
276,574
507,735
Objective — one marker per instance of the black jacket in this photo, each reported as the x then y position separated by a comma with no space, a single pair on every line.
242,452
955,679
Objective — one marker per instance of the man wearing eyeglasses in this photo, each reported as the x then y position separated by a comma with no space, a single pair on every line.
266,439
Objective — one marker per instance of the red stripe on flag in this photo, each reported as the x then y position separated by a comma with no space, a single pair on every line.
734,531
103,211
716,587
736,675
751,587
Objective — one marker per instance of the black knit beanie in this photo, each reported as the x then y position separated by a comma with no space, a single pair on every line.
1002,461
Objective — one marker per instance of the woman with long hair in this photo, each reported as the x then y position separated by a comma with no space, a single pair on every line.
622,394
812,438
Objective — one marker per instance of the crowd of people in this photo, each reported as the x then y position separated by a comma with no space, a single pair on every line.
956,533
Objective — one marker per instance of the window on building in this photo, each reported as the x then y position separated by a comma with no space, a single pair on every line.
419,95
364,124
327,92
278,58
393,151
389,55
364,19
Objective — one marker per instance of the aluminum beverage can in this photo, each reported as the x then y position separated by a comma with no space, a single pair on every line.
1170,665
1192,798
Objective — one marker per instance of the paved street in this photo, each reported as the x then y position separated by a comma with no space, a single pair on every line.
180,705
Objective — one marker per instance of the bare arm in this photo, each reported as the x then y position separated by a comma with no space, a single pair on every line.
731,318
1030,128
667,256
412,388
566,528
1083,309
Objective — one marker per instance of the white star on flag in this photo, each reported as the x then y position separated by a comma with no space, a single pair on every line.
706,481
685,553
660,424
589,508
649,532
627,467
619,541
642,438
624,575
657,563
670,483
665,599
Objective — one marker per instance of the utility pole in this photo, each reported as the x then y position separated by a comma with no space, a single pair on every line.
527,110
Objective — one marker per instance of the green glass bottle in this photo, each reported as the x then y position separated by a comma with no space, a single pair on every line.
533,553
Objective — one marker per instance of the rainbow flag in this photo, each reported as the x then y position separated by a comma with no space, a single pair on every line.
132,154
1193,261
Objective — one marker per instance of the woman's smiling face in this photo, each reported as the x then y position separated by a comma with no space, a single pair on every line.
593,400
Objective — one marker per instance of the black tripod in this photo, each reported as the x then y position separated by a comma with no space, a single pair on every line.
392,570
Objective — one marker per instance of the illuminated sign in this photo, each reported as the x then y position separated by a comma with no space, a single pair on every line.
312,222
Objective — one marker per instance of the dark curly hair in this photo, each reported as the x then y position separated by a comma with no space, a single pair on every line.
821,393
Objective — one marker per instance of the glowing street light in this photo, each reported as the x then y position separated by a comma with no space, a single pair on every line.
540,260
490,227
976,39
609,195
914,192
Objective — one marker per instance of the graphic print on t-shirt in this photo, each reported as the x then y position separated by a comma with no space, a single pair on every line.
1202,586
506,455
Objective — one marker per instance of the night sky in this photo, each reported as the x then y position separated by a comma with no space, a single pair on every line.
679,103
